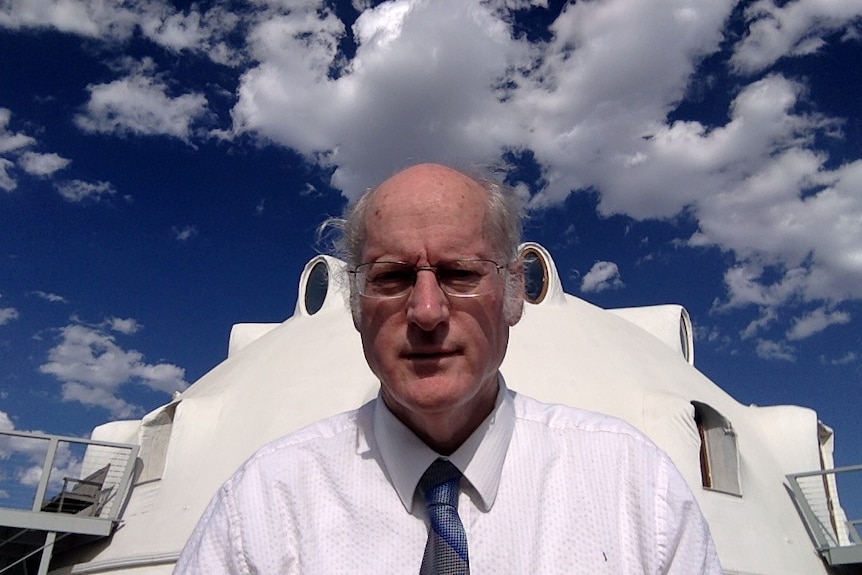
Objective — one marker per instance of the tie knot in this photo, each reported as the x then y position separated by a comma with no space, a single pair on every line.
440,483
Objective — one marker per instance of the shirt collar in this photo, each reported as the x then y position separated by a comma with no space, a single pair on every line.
480,458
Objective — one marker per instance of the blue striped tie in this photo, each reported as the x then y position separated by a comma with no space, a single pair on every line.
446,550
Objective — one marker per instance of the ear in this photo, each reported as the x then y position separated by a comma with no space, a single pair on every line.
513,306
355,312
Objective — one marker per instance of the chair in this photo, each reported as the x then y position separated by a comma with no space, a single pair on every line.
85,497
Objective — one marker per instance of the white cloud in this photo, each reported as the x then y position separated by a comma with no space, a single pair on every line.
6,423
11,141
792,29
127,326
765,196
27,468
8,314
78,191
7,182
42,165
768,349
410,93
768,315
602,276
33,163
140,104
51,297
93,369
846,359
157,20
76,16
815,322
185,233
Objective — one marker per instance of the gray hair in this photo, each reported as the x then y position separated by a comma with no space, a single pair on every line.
505,226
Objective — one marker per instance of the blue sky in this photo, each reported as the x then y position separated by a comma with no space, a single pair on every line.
163,167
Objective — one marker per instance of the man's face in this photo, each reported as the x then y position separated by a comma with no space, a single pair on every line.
436,355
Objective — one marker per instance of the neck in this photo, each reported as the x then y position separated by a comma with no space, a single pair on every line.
446,431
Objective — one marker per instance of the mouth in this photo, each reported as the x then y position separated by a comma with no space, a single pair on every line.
430,355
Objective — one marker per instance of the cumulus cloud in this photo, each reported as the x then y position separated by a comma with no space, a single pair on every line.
24,459
7,182
768,349
42,165
846,359
790,29
387,105
76,191
127,326
94,368
602,276
16,145
6,423
140,104
51,297
815,322
8,314
185,233
157,20
11,141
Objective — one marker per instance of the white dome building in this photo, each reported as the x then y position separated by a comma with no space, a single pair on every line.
636,364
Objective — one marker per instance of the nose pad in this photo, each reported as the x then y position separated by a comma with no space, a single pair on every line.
428,305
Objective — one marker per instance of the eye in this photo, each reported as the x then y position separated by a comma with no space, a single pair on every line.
459,276
388,278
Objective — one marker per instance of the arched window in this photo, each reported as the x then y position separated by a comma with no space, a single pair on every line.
535,275
316,287
719,456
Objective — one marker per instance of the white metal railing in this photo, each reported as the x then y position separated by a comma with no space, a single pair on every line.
52,487
816,494
59,474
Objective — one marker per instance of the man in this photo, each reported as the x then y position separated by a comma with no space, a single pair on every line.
532,488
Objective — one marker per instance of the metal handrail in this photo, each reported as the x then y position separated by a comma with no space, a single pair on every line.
835,536
113,463
121,456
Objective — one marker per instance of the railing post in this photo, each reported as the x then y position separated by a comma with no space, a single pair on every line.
47,551
46,474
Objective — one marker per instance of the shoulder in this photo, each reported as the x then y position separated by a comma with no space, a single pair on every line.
326,440
564,421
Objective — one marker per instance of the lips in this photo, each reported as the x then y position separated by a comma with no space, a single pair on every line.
426,355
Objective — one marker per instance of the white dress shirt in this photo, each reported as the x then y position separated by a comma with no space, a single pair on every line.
547,489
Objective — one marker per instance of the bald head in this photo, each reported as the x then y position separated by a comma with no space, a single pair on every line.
503,217
424,200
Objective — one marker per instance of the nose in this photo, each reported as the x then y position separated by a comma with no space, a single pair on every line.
427,306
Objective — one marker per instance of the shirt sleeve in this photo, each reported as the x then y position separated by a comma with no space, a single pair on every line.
685,543
214,546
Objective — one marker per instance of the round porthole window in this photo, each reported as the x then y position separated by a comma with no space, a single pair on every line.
535,275
316,287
